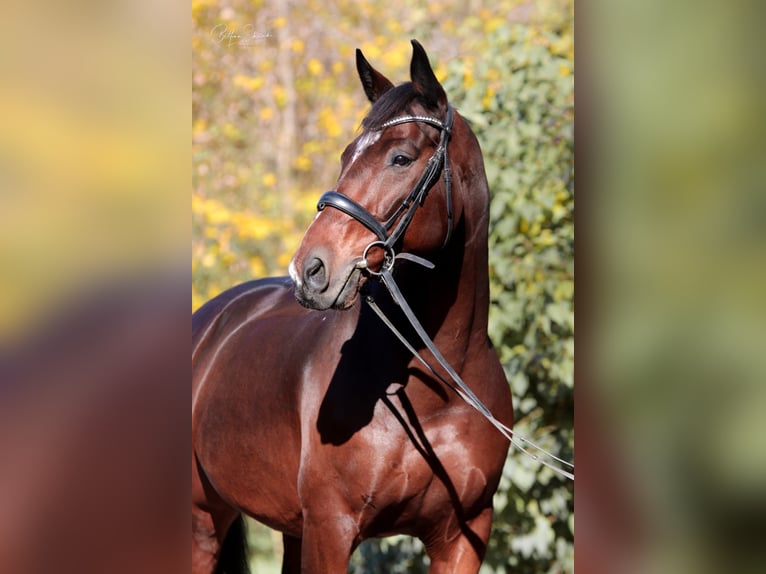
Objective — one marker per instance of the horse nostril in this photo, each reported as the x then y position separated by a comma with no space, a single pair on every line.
314,274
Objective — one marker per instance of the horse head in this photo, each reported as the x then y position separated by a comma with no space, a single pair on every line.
378,207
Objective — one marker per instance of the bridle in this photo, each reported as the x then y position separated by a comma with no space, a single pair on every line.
390,231
387,239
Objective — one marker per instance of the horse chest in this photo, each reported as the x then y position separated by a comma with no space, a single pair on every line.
398,469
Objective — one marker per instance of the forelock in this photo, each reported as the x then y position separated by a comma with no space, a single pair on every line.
393,102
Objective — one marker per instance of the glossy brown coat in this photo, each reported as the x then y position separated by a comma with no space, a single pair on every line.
313,418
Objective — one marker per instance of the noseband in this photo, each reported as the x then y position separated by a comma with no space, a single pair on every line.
437,163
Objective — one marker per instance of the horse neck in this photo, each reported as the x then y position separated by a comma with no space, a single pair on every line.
466,318
452,300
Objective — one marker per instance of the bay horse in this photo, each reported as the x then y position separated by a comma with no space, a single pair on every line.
307,413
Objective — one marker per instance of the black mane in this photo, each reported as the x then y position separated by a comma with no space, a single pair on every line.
390,104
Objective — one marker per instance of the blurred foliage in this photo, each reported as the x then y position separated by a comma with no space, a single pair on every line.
275,100
87,155
681,320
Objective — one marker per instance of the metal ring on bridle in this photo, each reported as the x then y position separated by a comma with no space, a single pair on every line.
388,259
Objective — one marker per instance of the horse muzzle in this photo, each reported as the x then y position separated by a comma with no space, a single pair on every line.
318,287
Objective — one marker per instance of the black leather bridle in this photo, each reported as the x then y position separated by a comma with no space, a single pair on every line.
390,231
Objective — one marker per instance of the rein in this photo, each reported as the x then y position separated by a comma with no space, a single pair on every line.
457,384
437,163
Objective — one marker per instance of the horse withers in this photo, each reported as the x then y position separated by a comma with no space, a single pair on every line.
308,414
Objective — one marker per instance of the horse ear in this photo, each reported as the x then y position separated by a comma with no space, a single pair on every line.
374,83
424,80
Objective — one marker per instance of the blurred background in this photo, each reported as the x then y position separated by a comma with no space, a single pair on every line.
94,235
276,98
673,245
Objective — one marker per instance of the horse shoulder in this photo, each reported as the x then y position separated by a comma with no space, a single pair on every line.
237,303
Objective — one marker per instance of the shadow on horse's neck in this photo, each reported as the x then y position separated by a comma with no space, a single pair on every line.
452,299
372,359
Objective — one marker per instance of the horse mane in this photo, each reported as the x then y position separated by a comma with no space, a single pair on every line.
391,103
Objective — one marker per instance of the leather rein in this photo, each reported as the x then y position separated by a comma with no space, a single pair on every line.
437,164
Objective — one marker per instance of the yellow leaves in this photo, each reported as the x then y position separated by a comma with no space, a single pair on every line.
269,179
494,23
302,163
265,66
210,232
329,123
394,27
224,232
435,8
251,226
280,95
486,101
284,259
440,71
468,79
565,70
546,238
279,22
197,203
558,212
311,147
208,260
307,203
531,289
249,83
530,229
257,268
563,46
198,299
560,208
449,26
298,46
266,114
346,107
315,67
338,67
212,210
346,52
396,59
564,291
199,127
198,6
371,50
231,131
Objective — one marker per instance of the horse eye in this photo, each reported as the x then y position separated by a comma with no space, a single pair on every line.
401,160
